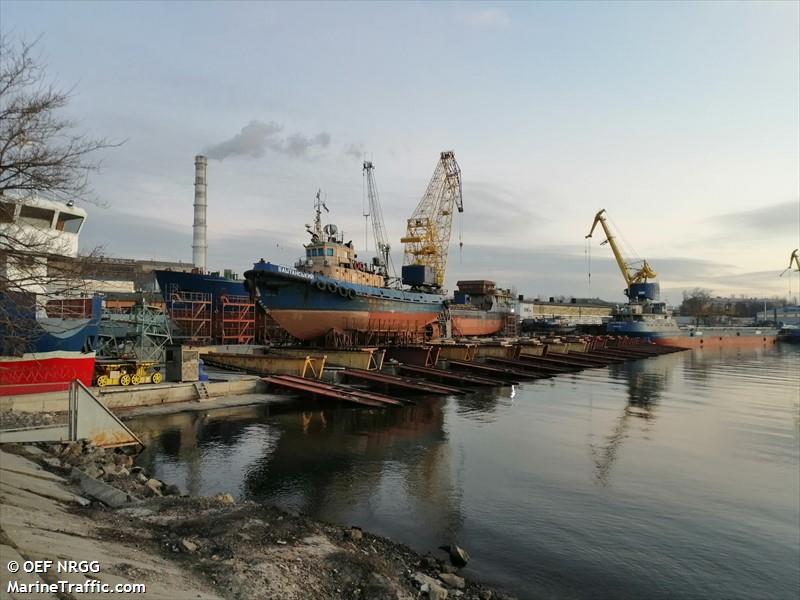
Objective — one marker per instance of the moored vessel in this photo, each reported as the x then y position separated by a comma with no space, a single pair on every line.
44,340
331,291
654,321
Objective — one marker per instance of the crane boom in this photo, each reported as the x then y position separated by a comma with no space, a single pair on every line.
382,247
630,275
427,238
793,258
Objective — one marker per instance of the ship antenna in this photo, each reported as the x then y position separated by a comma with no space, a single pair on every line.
318,215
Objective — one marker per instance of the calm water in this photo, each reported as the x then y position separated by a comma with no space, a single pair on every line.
672,477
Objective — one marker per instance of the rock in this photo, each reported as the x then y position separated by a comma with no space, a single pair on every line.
423,580
445,568
92,471
152,487
141,477
486,595
452,581
123,460
379,586
171,490
33,450
225,498
431,562
458,556
114,471
136,512
189,546
101,491
55,449
52,461
436,592
355,533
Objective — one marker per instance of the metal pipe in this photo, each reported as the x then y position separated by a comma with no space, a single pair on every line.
199,242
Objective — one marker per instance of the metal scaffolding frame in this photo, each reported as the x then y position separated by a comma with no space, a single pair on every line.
140,333
192,313
236,320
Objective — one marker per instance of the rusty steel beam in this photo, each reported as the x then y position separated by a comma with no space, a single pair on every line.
449,376
586,357
401,382
549,369
509,375
563,359
339,392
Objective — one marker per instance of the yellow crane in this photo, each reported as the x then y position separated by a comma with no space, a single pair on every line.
630,273
793,258
427,238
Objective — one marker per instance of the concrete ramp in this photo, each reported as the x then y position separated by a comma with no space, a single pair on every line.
87,419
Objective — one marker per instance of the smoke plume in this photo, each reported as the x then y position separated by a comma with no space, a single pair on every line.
257,137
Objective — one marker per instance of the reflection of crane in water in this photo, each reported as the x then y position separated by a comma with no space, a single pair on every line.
331,463
646,381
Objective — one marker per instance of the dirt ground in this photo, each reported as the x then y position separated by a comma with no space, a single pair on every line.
226,549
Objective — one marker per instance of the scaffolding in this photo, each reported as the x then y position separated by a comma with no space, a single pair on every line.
236,320
140,333
192,314
510,326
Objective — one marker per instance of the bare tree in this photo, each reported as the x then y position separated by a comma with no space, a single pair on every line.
43,158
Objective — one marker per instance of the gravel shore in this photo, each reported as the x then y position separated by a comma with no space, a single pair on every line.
242,550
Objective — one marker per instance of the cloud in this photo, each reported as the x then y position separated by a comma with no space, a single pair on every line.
487,18
776,218
355,150
257,137
490,210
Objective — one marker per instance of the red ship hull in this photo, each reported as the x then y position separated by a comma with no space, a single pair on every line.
477,325
44,371
307,324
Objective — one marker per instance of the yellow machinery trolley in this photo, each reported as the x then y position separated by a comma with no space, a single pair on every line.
130,372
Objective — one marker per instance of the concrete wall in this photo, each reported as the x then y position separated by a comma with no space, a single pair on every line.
130,397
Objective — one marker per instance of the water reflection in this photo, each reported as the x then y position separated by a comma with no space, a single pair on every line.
646,381
690,489
332,461
483,403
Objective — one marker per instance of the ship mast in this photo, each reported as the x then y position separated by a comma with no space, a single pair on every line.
317,231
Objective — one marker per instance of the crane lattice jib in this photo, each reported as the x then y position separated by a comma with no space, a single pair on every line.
378,228
427,238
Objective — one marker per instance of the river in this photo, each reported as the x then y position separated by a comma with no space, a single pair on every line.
676,476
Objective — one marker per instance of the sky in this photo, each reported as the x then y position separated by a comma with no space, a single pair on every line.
681,119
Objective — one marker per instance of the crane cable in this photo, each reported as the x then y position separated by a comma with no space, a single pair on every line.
460,235
587,251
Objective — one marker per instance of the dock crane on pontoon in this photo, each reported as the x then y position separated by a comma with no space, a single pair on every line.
427,238
383,258
793,258
635,279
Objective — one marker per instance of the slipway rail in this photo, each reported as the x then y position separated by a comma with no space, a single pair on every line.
508,375
333,391
404,383
450,377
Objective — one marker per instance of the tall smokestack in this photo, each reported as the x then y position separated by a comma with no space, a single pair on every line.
199,243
